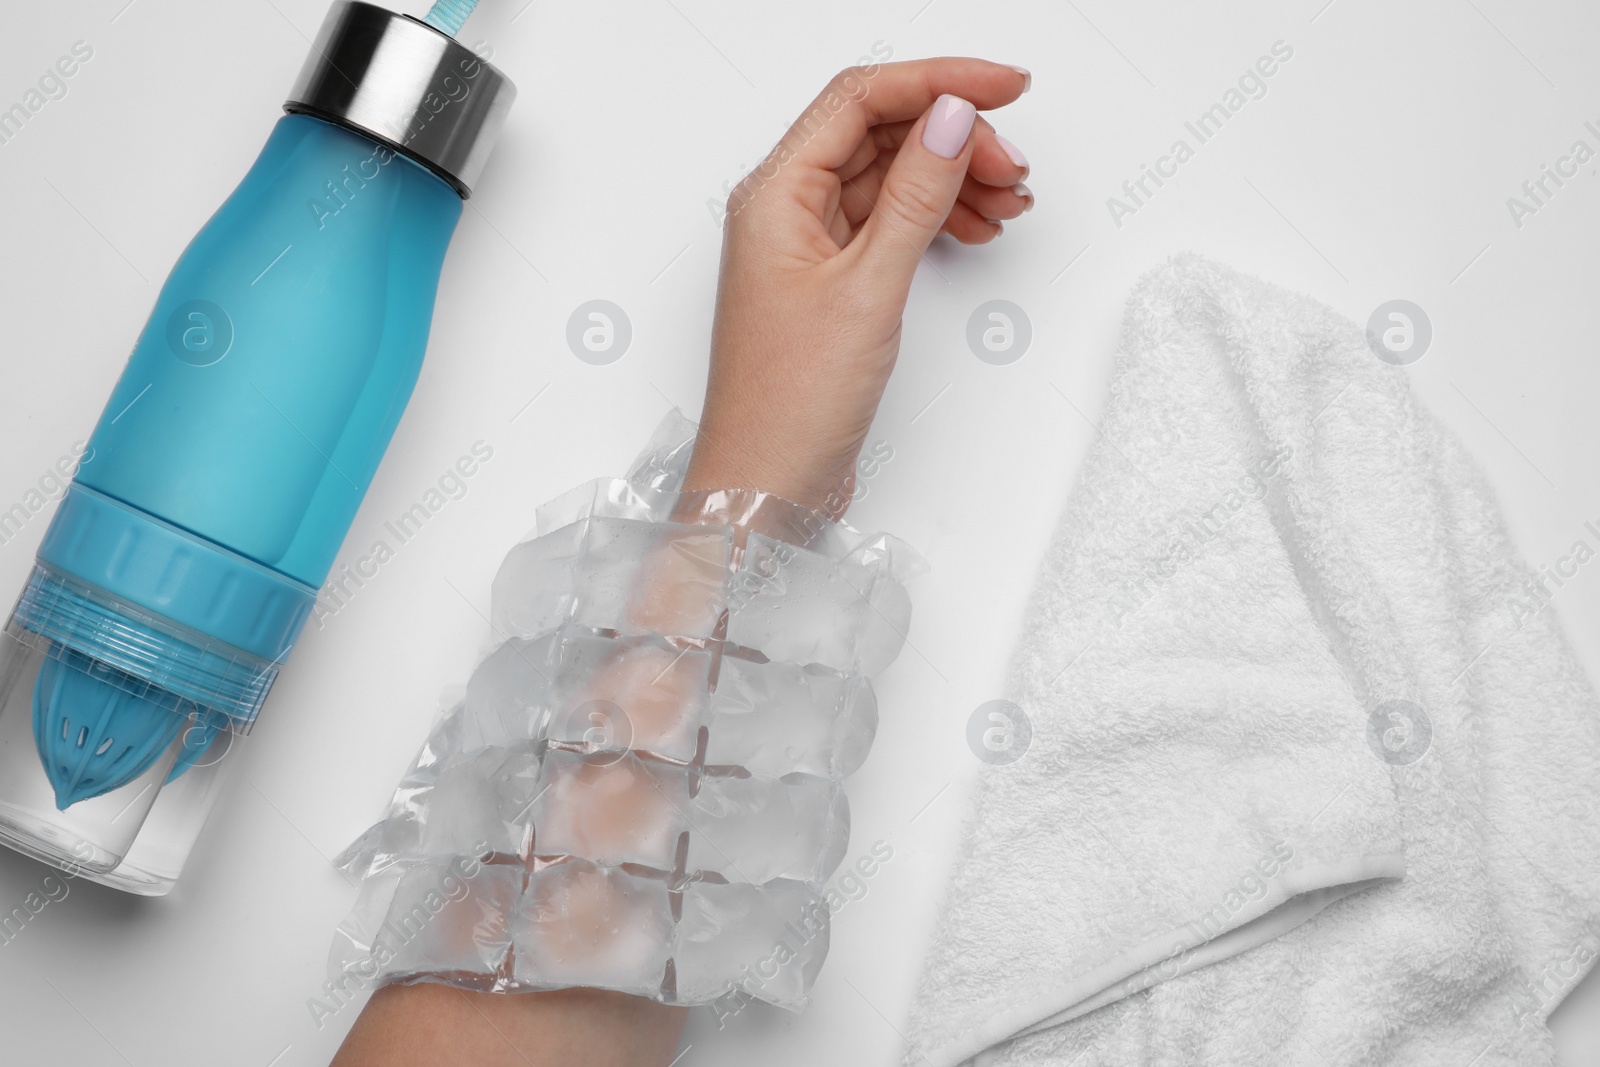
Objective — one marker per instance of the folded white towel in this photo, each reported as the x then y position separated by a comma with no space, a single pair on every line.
1294,708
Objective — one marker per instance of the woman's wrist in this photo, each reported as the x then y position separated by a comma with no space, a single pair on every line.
773,456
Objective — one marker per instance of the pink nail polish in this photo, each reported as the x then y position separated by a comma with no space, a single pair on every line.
1027,76
1026,194
949,123
1012,152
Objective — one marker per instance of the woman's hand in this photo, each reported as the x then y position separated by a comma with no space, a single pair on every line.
821,243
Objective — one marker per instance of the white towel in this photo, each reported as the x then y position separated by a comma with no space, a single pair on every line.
1232,831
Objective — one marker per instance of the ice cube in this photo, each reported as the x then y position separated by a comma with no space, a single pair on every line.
777,718
668,569
459,807
757,829
620,574
800,606
874,569
351,954
536,586
612,808
631,693
854,732
664,461
517,785
508,697
613,498
450,919
681,584
767,942
585,925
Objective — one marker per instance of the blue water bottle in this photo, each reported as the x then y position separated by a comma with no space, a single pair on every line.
233,453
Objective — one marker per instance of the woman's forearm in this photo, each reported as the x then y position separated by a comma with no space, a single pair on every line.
436,1026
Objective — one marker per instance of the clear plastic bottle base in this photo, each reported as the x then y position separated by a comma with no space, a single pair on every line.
135,838
50,844
53,844
131,879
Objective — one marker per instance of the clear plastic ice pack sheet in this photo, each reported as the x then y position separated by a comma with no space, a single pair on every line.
641,788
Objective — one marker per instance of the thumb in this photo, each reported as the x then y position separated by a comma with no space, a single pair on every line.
920,188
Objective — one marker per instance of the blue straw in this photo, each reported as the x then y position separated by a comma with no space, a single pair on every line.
450,15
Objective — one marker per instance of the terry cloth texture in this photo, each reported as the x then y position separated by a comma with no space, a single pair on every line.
1313,774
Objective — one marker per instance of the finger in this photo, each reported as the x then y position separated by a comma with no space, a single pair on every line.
969,227
828,134
995,160
858,195
867,152
919,190
994,203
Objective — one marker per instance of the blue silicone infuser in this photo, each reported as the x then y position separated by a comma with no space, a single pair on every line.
93,734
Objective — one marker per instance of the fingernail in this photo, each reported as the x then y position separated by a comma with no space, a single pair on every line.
1027,76
1026,194
999,227
1012,152
949,123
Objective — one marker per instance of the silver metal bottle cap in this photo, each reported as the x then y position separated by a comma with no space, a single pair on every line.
400,81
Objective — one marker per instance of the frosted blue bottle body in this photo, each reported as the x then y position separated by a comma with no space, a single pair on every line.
218,485
282,350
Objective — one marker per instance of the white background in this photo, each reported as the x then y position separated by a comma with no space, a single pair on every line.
1377,166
